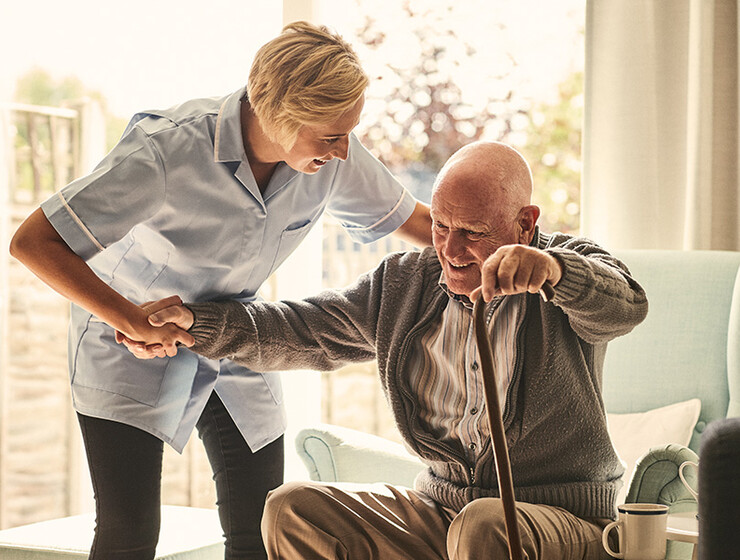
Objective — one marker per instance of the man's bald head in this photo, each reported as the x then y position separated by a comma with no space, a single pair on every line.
489,171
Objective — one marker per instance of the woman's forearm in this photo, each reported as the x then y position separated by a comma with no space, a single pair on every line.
42,250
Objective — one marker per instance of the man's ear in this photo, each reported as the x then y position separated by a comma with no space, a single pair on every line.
526,220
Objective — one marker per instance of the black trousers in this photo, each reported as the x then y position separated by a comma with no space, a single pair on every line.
126,469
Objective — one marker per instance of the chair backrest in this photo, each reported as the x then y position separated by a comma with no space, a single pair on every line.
689,344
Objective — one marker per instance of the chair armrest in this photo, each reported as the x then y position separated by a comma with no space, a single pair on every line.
656,478
337,454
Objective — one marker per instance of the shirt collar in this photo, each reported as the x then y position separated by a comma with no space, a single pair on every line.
461,299
228,144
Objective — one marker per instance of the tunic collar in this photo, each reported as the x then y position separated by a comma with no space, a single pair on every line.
227,141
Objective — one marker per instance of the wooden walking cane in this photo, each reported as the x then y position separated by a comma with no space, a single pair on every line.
496,422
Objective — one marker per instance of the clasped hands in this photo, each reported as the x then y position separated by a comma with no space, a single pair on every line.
167,314
512,269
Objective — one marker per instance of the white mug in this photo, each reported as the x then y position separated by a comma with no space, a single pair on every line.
641,529
683,479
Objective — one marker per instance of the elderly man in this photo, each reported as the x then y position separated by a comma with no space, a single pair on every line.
413,313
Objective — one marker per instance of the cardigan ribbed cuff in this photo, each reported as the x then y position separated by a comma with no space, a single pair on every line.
211,319
582,499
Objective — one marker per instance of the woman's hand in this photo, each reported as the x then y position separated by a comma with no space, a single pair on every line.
162,328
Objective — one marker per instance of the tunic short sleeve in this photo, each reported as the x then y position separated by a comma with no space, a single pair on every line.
367,199
126,188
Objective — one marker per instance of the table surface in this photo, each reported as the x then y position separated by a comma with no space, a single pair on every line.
683,527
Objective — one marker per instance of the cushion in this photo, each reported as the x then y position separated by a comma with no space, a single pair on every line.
635,433
186,534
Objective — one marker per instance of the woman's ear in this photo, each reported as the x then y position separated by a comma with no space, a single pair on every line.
526,220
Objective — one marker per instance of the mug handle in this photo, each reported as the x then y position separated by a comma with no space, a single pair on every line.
686,484
605,539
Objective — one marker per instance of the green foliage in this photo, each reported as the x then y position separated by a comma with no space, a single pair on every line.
114,127
38,87
553,149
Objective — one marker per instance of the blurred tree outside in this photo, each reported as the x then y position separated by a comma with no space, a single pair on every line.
426,116
553,148
425,105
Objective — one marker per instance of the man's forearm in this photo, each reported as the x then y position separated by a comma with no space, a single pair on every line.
276,336
600,299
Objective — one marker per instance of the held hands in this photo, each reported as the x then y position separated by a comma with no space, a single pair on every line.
167,321
515,269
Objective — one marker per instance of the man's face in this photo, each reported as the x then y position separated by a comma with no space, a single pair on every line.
467,229
316,145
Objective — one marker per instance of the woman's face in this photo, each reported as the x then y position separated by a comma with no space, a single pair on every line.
316,145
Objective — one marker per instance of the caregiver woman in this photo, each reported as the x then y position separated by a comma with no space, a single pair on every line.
205,200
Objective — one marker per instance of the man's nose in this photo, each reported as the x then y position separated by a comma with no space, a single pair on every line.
341,148
456,245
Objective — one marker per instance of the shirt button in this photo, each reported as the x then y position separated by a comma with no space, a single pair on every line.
474,367
472,446
473,410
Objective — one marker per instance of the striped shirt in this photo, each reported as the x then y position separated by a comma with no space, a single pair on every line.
445,370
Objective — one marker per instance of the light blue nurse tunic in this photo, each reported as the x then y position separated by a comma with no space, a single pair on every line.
174,209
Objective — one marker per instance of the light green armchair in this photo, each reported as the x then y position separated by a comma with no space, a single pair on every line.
687,348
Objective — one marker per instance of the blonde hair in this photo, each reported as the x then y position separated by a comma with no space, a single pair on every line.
306,75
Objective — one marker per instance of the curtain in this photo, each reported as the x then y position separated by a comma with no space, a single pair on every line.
660,155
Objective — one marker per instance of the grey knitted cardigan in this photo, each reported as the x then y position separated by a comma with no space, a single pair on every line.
560,450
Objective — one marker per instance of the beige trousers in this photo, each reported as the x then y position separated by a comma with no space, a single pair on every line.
311,520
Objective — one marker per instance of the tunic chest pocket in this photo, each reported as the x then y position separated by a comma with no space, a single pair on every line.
289,240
